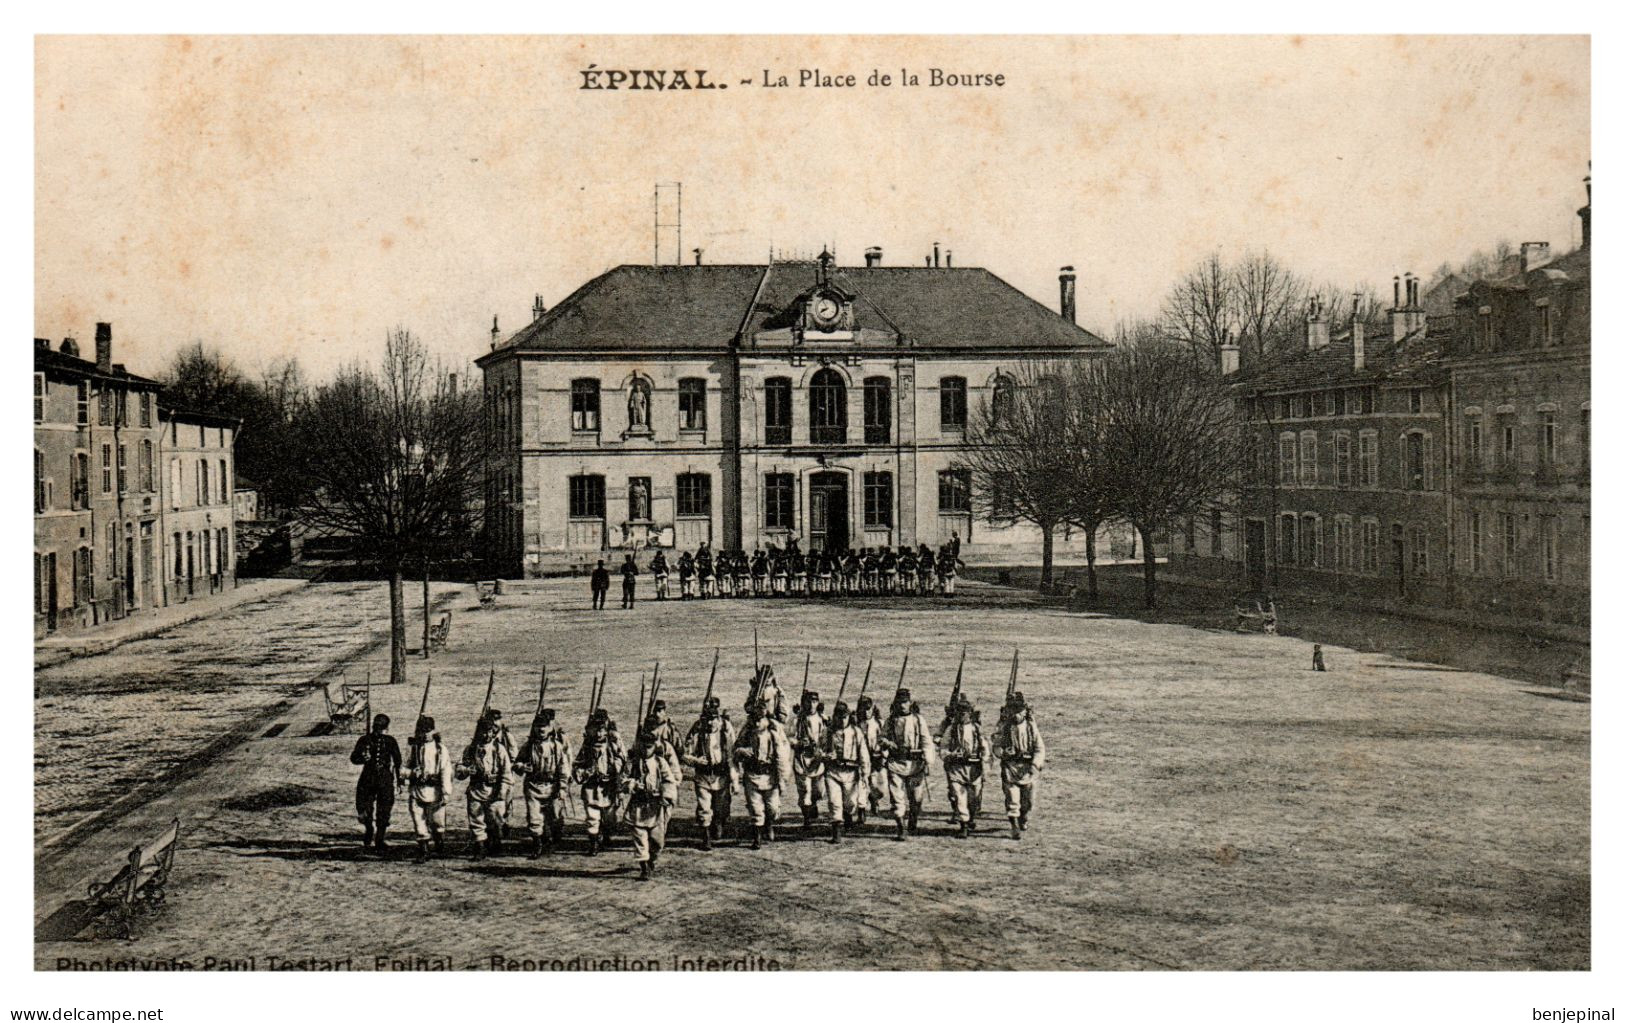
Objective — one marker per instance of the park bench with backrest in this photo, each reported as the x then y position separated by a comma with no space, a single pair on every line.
1262,612
440,631
349,709
138,886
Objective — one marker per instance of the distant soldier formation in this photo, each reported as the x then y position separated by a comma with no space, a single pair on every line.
840,768
788,572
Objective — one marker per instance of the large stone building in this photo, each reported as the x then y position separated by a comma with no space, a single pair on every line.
743,405
108,521
1447,461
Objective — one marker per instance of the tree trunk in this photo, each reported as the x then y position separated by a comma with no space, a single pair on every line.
1150,559
1089,551
425,608
1046,577
397,626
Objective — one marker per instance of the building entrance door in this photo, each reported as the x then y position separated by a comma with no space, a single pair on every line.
50,592
828,512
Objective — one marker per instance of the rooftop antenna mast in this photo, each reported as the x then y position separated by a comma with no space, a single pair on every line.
669,218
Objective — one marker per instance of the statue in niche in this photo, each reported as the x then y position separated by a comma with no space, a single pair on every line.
638,500
637,406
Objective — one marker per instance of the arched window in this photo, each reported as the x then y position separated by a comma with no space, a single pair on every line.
827,407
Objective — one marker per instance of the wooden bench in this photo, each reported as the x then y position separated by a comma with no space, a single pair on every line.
488,593
349,709
138,886
440,631
1266,618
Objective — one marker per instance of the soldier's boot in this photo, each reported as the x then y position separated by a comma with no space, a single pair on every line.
900,836
964,829
479,851
378,839
654,858
970,825
755,837
705,838
439,843
716,829
809,815
493,845
1015,828
536,848
914,822
645,870
1023,822
592,844
366,836
423,851
835,832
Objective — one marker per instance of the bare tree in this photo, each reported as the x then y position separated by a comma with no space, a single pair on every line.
1200,309
1018,455
394,461
1267,299
1088,476
1170,441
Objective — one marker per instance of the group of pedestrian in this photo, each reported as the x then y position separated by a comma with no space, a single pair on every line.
857,762
787,571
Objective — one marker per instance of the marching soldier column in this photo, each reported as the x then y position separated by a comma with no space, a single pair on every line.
853,762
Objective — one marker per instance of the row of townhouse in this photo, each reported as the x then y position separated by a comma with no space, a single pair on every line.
1446,462
132,497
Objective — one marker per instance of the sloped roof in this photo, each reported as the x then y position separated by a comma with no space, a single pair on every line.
707,307
1333,365
54,359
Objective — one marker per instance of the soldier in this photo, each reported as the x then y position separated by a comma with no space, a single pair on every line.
600,586
380,758
544,762
910,756
888,570
662,572
927,571
844,752
907,565
485,764
762,756
651,790
948,565
871,570
685,575
629,583
428,777
809,766
707,573
1021,755
964,749
1318,660
665,736
826,572
874,792
851,567
708,749
741,570
598,769
766,688
758,573
725,574
781,573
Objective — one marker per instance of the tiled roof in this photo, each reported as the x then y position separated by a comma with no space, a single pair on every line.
706,307
1332,365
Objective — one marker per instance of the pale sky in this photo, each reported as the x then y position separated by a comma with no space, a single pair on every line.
278,195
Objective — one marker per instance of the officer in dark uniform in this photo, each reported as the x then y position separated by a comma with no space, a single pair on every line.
629,583
379,756
600,586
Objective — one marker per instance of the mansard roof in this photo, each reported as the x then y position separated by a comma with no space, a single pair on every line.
660,308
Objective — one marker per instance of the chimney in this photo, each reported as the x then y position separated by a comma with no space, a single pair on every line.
936,254
1357,331
1069,295
1534,255
1408,318
69,347
1585,217
1397,303
1229,354
104,347
43,342
871,256
1319,331
950,257
537,308
495,333
697,254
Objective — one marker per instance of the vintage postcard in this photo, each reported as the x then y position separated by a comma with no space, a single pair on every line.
808,503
